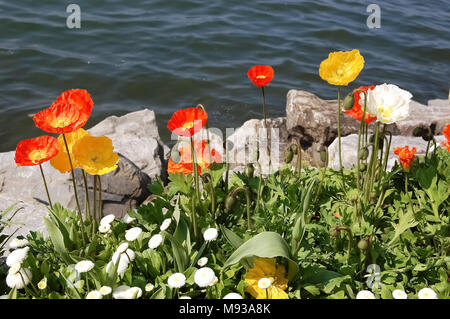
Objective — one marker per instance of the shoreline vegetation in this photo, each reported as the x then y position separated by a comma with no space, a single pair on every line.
359,231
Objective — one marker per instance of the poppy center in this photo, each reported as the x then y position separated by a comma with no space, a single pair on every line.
37,155
261,77
188,125
94,159
340,72
61,121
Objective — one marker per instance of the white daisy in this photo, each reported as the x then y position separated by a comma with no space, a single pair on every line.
204,277
108,219
185,297
210,234
121,268
232,295
84,266
121,292
427,293
264,283
122,248
133,233
105,290
155,241
42,284
399,294
14,269
94,294
134,293
165,224
105,228
202,261
365,294
177,280
17,256
215,281
127,219
149,287
19,279
17,243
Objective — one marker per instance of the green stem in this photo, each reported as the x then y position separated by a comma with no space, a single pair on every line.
95,205
100,202
45,185
75,190
87,206
246,191
350,238
265,124
258,195
339,126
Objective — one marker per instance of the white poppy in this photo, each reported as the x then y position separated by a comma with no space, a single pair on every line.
94,294
127,219
17,256
232,295
210,234
204,277
388,103
399,294
105,290
427,293
365,294
264,283
17,243
155,241
202,261
165,224
84,266
19,279
105,228
108,219
133,233
177,280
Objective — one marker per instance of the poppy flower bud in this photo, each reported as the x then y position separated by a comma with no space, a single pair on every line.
363,153
349,101
418,131
249,170
427,135
364,243
334,232
362,167
294,148
175,155
380,140
288,155
230,201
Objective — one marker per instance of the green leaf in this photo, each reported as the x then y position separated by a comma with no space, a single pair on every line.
179,252
313,290
268,245
57,240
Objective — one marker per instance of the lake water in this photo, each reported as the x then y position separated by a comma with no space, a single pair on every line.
168,54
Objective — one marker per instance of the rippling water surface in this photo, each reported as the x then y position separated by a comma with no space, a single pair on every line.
166,54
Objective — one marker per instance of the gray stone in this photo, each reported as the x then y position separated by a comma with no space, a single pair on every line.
349,149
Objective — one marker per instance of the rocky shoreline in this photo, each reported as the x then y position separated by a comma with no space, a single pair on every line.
143,155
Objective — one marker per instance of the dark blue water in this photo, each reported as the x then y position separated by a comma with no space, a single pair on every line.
168,54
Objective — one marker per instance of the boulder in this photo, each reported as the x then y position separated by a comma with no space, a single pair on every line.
349,149
314,120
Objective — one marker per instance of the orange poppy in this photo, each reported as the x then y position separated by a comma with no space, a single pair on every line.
261,75
357,110
60,118
36,151
446,133
82,99
187,122
185,164
405,155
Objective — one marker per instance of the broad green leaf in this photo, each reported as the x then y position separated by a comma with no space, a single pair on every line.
268,245
179,252
57,240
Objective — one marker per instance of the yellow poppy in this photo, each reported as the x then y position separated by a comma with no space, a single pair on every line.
61,160
95,155
341,68
267,268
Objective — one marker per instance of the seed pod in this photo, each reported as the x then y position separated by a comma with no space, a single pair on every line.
249,170
334,232
288,155
230,201
349,101
363,244
363,153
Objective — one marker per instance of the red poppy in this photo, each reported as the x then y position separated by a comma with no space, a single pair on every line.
185,165
36,151
357,111
405,156
80,98
261,75
187,122
446,133
60,118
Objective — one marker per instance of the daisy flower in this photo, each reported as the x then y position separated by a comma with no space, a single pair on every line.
232,295
84,266
105,290
165,224
204,277
427,293
18,243
17,256
108,219
155,241
177,280
399,294
133,233
19,279
202,261
94,294
210,234
365,294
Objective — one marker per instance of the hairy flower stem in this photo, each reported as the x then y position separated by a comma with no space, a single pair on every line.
196,198
322,178
246,191
87,206
339,127
258,195
267,128
95,205
207,177
360,132
298,166
75,190
350,238
45,185
100,203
